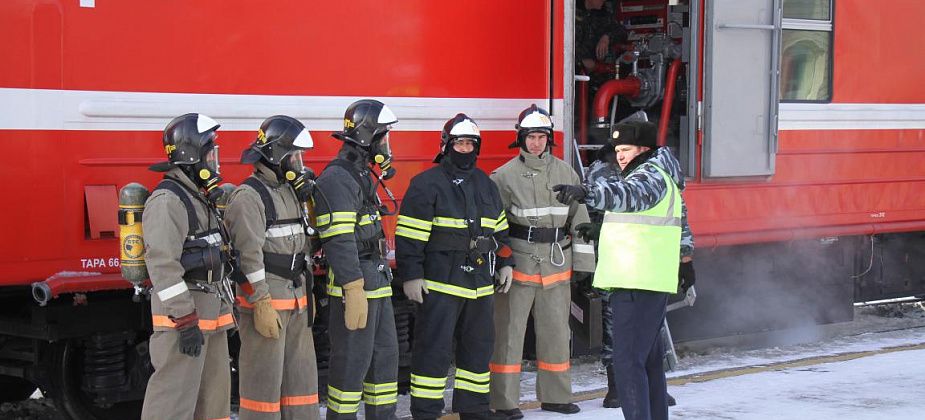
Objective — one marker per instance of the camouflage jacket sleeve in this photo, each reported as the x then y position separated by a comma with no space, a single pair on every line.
165,226
639,191
337,200
246,221
687,238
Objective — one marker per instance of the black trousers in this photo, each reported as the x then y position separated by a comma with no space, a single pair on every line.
637,353
441,320
363,365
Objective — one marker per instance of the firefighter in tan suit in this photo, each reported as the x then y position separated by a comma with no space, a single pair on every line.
546,251
189,306
267,223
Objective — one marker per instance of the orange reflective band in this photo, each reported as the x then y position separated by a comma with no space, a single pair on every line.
162,321
223,418
260,406
214,324
204,324
278,304
543,280
496,368
552,367
299,400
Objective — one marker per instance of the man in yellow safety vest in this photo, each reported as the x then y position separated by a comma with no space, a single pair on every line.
639,260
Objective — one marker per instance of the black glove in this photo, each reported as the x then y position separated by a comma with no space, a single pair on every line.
569,193
589,231
686,276
191,338
191,341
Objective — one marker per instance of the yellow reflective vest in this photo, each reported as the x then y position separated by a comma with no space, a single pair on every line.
640,250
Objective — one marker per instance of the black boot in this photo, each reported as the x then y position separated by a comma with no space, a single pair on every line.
512,414
567,408
670,399
611,400
482,415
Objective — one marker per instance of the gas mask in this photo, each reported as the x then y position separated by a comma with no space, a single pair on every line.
300,177
206,174
381,154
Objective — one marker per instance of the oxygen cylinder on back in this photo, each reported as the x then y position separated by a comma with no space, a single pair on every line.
132,199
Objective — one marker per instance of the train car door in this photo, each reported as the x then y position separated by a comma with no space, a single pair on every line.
740,96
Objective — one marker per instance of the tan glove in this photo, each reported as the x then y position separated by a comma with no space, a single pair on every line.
505,277
415,290
355,305
266,319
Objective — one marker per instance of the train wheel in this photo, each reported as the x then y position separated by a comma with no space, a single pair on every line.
64,388
14,389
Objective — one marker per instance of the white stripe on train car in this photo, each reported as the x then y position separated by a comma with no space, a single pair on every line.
47,109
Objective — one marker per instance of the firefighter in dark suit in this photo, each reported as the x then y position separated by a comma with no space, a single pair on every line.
364,345
451,239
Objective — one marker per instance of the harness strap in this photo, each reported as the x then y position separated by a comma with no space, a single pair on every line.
182,193
264,192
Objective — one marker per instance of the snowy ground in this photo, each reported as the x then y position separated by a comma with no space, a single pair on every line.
870,368
881,386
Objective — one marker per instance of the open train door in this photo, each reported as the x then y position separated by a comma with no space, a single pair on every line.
740,96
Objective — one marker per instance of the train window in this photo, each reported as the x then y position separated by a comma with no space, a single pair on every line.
806,51
808,9
806,66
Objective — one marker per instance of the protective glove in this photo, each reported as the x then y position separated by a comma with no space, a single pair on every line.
505,277
588,231
191,338
686,276
570,193
355,306
415,290
266,319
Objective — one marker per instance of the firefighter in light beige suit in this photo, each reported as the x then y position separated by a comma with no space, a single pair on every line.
267,223
546,252
183,240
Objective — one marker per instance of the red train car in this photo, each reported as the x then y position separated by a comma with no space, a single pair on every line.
799,122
